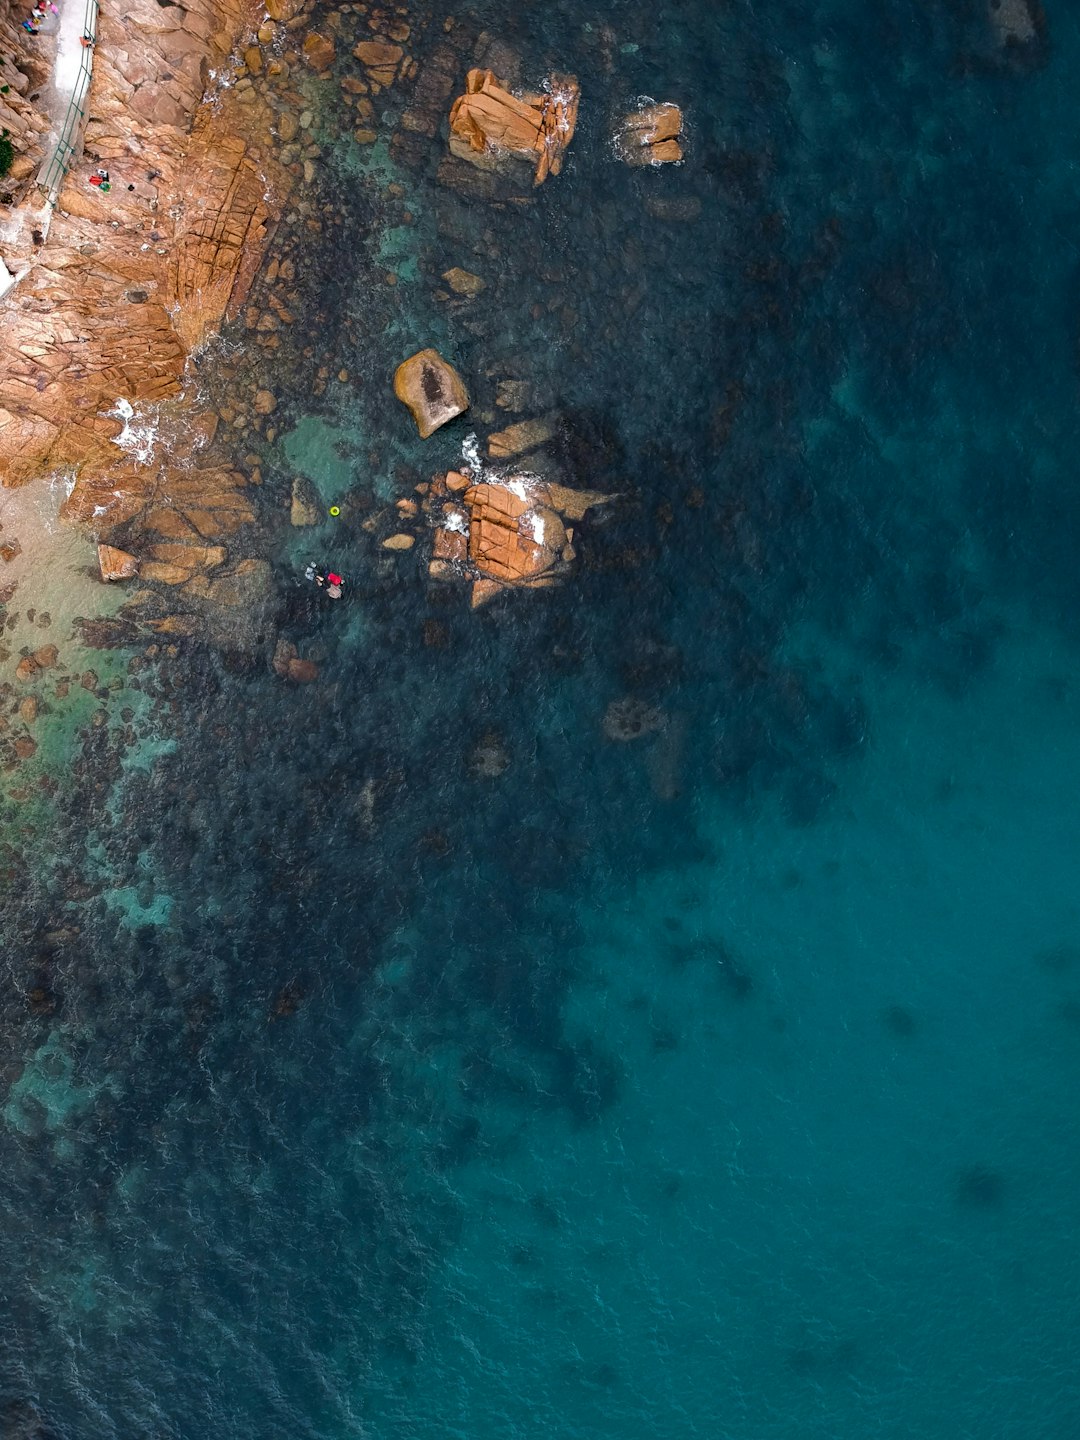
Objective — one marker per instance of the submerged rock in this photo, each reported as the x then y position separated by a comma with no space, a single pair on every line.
304,508
116,564
651,136
432,389
488,122
631,719
288,664
525,435
463,282
319,52
489,758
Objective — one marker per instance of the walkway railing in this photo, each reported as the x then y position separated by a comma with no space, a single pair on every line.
59,163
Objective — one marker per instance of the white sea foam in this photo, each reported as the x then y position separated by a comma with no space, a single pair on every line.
470,454
139,436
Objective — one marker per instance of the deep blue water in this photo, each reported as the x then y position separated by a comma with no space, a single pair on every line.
718,1083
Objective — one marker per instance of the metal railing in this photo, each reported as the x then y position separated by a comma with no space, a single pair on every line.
56,167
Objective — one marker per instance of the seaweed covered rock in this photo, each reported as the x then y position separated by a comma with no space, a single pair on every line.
651,136
487,122
432,389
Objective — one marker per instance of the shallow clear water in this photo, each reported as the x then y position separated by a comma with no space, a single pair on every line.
720,1082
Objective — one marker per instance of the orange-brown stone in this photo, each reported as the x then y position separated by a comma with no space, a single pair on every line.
116,564
651,136
319,52
432,389
487,120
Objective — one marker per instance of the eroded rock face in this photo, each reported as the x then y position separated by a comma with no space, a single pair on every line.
488,123
432,389
651,136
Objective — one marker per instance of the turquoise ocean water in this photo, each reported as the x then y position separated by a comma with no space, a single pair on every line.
718,1083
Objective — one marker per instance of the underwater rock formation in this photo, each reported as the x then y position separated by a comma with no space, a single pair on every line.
651,136
632,719
488,122
431,389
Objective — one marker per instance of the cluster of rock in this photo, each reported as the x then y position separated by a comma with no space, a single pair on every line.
501,530
487,123
496,531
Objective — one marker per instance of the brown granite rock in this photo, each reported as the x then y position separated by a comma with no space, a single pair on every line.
462,282
399,542
487,122
432,389
381,59
451,546
302,671
166,572
46,657
516,439
248,583
651,136
510,540
319,52
116,564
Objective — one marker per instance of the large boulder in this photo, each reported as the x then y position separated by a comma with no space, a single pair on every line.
488,122
651,136
511,539
432,389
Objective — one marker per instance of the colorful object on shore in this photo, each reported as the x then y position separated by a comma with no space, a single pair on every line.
488,121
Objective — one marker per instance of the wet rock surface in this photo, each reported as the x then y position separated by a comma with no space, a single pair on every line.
431,389
488,123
